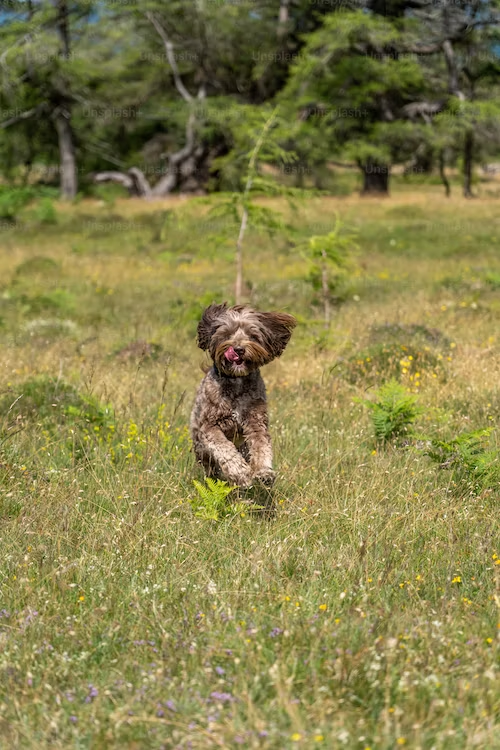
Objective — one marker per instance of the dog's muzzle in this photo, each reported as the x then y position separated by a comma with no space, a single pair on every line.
239,359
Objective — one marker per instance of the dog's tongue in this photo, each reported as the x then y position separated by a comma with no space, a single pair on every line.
231,355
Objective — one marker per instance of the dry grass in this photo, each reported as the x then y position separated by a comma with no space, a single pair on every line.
362,613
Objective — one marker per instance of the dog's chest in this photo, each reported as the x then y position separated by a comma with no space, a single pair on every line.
237,416
235,406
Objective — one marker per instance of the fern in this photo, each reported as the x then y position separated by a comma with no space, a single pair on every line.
393,412
470,457
211,503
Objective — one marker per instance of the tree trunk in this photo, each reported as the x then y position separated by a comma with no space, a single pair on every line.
468,163
375,179
422,161
442,174
62,114
68,179
283,17
238,285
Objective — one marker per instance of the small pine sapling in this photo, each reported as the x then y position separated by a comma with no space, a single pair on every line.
239,208
330,255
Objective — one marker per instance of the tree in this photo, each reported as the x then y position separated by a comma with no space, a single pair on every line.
382,75
354,78
35,85
206,52
43,78
461,41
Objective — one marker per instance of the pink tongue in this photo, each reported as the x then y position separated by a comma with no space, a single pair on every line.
231,355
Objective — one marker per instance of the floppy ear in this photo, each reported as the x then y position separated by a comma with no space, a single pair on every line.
278,328
208,324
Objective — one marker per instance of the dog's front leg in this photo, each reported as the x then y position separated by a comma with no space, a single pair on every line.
217,452
258,441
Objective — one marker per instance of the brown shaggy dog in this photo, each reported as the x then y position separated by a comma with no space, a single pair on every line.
229,422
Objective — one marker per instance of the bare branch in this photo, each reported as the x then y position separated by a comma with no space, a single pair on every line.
134,181
169,49
23,116
424,109
451,64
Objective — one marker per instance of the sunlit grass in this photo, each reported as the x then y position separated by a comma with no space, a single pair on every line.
364,611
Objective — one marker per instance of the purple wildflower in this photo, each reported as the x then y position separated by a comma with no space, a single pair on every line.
220,671
170,705
221,697
73,719
93,693
275,632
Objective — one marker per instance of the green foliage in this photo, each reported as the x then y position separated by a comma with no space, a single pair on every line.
393,412
257,136
38,266
239,209
493,280
355,54
330,258
211,502
390,361
12,200
471,458
45,212
53,402
380,561
334,248
56,301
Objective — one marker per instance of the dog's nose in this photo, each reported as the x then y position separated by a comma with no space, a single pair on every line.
240,350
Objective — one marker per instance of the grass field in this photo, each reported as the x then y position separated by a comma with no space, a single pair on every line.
364,611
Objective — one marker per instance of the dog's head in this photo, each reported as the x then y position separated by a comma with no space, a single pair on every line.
240,339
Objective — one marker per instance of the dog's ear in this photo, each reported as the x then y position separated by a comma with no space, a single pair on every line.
208,324
278,328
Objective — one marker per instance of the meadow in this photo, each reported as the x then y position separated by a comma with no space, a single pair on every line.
362,609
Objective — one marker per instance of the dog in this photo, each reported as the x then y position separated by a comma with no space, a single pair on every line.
229,421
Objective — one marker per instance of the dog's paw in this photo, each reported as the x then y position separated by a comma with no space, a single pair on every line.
267,477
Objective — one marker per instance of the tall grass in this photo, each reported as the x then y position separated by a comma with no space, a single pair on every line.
363,611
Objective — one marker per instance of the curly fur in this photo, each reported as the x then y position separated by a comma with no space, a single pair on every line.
229,421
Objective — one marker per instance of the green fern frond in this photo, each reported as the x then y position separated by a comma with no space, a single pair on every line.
393,411
211,501
470,457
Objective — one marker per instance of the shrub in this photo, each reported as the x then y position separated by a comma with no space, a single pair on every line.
53,402
38,265
45,212
392,361
12,200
